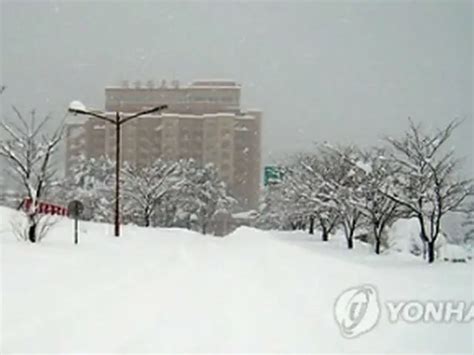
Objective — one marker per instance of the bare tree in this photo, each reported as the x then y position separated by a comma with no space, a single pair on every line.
144,187
379,210
201,195
326,214
310,195
29,152
343,182
326,182
425,181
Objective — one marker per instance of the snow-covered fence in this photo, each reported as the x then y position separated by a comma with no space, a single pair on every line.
45,208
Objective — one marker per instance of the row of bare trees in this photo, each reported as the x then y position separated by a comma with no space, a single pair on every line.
164,193
411,176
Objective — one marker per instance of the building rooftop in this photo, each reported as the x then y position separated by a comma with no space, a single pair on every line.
164,85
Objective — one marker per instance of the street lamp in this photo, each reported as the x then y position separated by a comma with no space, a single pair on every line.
78,108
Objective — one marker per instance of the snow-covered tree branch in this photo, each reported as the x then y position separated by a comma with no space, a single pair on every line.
91,182
145,187
202,194
425,180
29,152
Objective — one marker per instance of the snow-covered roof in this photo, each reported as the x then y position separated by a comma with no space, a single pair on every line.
212,87
220,114
246,117
214,82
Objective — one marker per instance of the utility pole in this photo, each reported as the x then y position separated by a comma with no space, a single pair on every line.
78,108
117,174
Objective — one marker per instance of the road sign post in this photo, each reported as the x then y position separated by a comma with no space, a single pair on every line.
75,209
76,231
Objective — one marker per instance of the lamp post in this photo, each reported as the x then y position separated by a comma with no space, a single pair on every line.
78,108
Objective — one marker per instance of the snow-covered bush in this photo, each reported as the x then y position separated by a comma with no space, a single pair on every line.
20,226
453,253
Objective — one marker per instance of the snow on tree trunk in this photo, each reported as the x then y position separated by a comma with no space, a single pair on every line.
325,234
377,245
311,224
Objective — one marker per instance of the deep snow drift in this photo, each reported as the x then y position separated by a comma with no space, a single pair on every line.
168,290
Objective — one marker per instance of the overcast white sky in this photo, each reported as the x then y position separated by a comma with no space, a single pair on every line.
321,71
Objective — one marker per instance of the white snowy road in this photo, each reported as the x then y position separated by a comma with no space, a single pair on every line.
172,290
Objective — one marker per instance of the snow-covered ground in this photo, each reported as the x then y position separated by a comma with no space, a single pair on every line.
169,290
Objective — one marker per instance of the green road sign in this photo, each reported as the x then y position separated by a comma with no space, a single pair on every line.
272,175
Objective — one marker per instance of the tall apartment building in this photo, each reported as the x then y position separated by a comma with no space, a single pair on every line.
204,121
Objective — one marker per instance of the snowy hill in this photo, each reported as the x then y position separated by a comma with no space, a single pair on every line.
170,290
